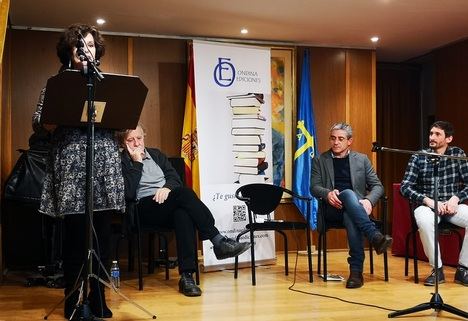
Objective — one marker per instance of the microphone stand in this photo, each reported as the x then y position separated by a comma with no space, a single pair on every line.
436,301
83,310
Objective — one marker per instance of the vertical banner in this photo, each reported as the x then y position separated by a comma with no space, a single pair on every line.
306,147
233,92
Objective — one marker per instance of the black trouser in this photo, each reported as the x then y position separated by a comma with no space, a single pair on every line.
183,211
74,244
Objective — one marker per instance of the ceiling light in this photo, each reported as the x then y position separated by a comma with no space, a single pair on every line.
100,21
244,31
374,39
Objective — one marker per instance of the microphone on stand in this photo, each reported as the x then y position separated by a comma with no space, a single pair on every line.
376,147
89,58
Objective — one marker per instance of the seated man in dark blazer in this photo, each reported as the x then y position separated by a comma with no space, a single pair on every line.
164,201
347,182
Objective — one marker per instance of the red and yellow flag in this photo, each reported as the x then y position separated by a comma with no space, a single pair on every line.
189,133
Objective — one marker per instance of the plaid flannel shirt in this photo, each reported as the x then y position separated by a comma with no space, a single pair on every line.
418,181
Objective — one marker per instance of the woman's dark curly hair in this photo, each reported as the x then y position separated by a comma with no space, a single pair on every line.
69,39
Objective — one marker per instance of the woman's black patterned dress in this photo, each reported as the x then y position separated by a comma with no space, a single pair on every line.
63,192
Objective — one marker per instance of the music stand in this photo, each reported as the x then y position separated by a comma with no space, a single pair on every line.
436,301
118,100
75,101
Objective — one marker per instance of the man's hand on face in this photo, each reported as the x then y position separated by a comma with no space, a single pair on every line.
136,153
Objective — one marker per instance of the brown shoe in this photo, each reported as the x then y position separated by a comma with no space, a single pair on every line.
355,280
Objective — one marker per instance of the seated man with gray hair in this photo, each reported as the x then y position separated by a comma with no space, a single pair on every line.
164,201
347,182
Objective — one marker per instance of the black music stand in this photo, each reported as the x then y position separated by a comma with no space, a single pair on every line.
118,100
114,102
436,303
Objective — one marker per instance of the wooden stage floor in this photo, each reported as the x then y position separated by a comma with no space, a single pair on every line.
227,299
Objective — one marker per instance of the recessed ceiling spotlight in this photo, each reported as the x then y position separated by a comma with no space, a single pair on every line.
375,39
100,21
244,31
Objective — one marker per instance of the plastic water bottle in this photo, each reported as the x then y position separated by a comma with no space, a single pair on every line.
115,274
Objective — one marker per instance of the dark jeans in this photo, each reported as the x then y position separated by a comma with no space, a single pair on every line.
74,246
357,224
184,212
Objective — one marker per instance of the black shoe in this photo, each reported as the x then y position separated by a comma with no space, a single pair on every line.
229,248
381,242
355,280
187,285
430,280
461,275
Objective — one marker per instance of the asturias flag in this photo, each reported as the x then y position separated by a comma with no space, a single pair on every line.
189,133
306,147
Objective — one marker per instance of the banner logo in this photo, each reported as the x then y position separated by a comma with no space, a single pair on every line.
224,72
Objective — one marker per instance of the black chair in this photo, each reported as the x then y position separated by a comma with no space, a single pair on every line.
324,225
261,200
445,229
131,227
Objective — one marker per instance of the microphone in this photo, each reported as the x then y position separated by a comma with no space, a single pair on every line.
376,147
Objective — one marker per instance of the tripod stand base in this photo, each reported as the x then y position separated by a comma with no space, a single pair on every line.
436,303
83,313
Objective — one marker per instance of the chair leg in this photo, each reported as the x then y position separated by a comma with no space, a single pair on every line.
460,240
371,259
319,254
415,258
236,262
140,264
197,268
236,259
325,257
150,253
309,256
252,258
131,254
407,252
385,257
286,260
162,240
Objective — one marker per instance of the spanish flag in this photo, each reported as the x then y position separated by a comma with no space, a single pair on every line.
189,133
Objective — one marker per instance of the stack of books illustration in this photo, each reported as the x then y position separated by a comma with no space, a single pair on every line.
248,130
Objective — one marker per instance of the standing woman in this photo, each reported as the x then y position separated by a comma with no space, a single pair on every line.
63,193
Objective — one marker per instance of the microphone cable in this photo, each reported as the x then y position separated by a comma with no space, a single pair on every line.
291,287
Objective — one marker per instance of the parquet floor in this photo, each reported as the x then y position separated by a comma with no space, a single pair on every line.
227,299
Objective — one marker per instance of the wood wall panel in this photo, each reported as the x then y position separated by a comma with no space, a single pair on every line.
361,108
398,121
452,89
172,97
33,61
328,90
115,58
149,54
